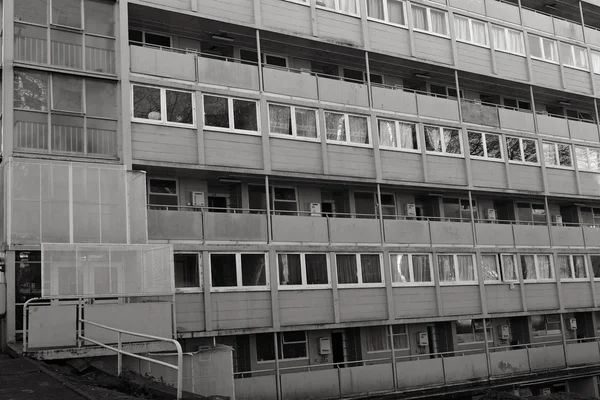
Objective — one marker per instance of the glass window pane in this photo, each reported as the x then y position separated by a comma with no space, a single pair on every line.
316,269
66,12
433,139
419,17
280,119
582,157
387,133
550,154
358,127
31,91
408,136
396,12
579,267
306,123
254,270
528,267
371,268
452,141
534,46
244,115
466,270
493,146
438,22
100,54
101,98
30,43
399,265
421,268
216,111
595,260
476,144
564,267
529,151
66,49
335,126
179,107
347,269
544,267
31,11
265,347
100,17
509,268
289,269
446,268
489,265
550,51
375,9
564,155
146,103
223,270
187,273
461,26
67,93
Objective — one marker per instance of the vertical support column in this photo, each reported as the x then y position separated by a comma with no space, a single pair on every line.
487,348
394,372
368,69
8,33
564,339
389,290
380,212
277,371
269,222
200,126
373,125
273,272
10,269
334,288
532,99
124,73
206,287
260,64
436,281
264,111
411,33
597,116
521,282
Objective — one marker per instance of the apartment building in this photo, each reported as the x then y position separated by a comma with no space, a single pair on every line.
357,196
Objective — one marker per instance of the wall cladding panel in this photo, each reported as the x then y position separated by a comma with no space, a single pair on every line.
433,48
164,143
233,150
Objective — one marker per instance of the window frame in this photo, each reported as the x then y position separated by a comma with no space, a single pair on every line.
279,350
347,116
231,128
485,149
397,134
387,338
488,332
273,200
543,58
304,284
572,51
457,282
150,192
506,37
411,270
443,143
500,269
386,16
337,8
470,23
195,289
522,151
588,166
537,269
572,268
595,58
294,123
144,31
360,283
591,271
428,15
546,330
238,273
163,106
557,155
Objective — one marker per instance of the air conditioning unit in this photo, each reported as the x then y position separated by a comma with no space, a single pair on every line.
411,210
324,346
423,339
504,332
573,324
198,199
557,219
491,214
315,209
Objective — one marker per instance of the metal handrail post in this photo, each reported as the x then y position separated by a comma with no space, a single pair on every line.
119,354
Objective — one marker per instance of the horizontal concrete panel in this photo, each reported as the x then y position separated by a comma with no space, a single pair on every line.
583,353
568,29
509,362
343,92
577,80
552,125
567,236
362,304
531,235
286,16
241,310
419,373
464,368
415,301
296,155
503,298
481,114
291,228
321,384
366,379
351,161
535,20
541,296
494,234
516,120
338,27
406,232
401,165
386,98
233,149
561,180
592,236
150,61
388,39
460,299
52,326
234,226
174,225
298,84
583,130
437,107
577,294
511,66
547,357
476,6
589,183
434,48
503,11
446,170
256,388
354,230
300,307
455,233
225,73
189,309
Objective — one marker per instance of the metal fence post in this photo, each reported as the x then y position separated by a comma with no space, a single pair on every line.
119,355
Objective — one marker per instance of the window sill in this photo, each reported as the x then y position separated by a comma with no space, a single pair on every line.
281,360
189,290
381,21
360,285
559,167
303,287
575,280
479,158
413,284
293,137
350,144
303,3
161,123
333,10
524,163
228,130
483,46
462,283
546,61
497,282
576,68
240,289
400,149
539,280
591,171
510,52
435,153
432,33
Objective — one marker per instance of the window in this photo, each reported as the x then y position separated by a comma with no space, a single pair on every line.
516,104
521,150
531,212
572,267
303,269
378,338
557,154
458,209
590,216
388,205
508,40
392,11
357,75
251,57
359,269
542,48
471,30
292,345
442,140
573,56
446,91
239,270
345,6
164,106
596,62
485,145
546,325
162,192
595,263
347,128
580,115
457,268
537,267
284,200
429,20
398,135
588,158
499,267
230,114
188,270
28,280
149,38
472,331
293,121
411,269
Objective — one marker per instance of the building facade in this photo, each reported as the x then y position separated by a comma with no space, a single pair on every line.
363,195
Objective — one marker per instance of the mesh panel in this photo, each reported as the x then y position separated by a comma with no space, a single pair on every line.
103,270
138,231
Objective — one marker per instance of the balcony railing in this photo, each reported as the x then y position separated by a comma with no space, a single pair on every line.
418,371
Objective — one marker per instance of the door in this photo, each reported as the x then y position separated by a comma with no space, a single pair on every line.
337,348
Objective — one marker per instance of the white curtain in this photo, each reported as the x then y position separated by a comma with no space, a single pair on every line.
375,9
479,33
396,12
419,16
306,123
550,154
528,267
596,62
327,3
432,139
581,58
579,266
421,270
408,136
400,273
377,338
446,268
289,269
515,42
359,132
490,267
582,157
544,267
550,51
499,38
335,125
387,133
348,6
461,26
438,22
508,268
466,272
564,267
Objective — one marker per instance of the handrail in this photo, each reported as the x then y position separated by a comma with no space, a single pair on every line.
119,350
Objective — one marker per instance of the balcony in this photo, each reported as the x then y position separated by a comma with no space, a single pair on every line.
418,372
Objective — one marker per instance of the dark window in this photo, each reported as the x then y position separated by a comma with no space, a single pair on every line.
290,271
216,111
265,347
244,115
187,271
157,40
179,107
223,270
316,269
253,270
596,265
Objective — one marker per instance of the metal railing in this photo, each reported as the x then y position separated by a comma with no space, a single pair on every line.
119,350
